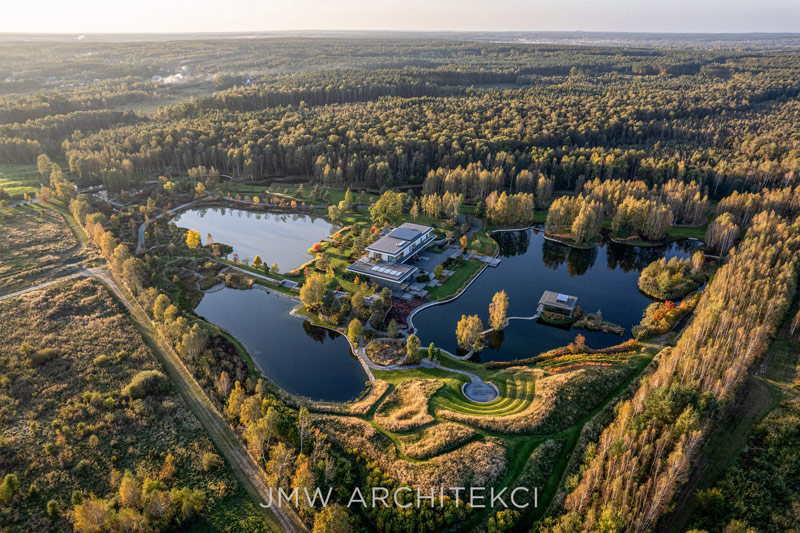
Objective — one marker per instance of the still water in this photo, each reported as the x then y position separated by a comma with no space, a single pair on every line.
604,277
300,358
276,237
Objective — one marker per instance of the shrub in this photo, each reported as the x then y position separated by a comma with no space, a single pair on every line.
83,467
211,461
9,487
40,357
146,383
102,360
53,509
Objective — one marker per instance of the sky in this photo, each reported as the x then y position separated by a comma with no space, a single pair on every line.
168,16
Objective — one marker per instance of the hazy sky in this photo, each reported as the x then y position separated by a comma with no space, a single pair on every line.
103,16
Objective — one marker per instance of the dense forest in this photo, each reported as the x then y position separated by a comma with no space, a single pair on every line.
624,143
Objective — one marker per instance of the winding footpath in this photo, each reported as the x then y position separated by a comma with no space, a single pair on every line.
244,466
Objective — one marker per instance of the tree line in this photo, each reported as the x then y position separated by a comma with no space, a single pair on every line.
630,477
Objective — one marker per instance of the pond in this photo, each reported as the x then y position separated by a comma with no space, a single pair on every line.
297,356
280,237
604,277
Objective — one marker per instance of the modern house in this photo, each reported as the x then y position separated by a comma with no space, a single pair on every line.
386,258
555,302
401,243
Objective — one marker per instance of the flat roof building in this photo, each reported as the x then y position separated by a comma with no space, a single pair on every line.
558,302
385,259
401,243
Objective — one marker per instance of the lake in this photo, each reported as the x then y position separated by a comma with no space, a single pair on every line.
297,356
280,237
604,277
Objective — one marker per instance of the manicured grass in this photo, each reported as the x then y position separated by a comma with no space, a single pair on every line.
457,281
516,394
17,180
687,232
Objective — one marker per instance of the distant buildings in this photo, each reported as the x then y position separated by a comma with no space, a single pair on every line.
386,258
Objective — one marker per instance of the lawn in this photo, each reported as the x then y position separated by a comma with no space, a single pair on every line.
16,180
457,281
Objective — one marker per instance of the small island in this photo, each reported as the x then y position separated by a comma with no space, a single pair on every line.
673,279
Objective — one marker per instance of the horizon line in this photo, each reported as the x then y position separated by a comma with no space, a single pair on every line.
235,32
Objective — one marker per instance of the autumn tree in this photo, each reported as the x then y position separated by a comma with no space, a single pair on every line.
192,239
388,209
722,233
193,342
313,291
469,332
303,425
130,491
250,411
279,465
160,306
333,519
354,330
412,348
498,310
235,400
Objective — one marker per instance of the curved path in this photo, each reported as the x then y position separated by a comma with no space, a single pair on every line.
477,390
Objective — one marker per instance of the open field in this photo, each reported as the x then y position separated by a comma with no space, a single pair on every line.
37,245
17,180
84,401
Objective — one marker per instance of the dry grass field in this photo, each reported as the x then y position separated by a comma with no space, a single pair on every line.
83,401
406,407
435,439
37,245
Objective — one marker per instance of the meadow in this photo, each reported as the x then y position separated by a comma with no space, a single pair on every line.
88,414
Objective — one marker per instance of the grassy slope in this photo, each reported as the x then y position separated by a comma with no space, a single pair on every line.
17,180
457,281
516,394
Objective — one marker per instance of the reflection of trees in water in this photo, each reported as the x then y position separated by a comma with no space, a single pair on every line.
314,332
513,243
578,260
317,333
637,258
553,254
495,339
629,258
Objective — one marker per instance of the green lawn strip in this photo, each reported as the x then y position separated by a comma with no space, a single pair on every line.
260,271
274,287
687,232
457,281
516,394
17,180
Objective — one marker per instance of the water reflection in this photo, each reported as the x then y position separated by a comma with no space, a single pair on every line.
296,355
283,238
604,277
